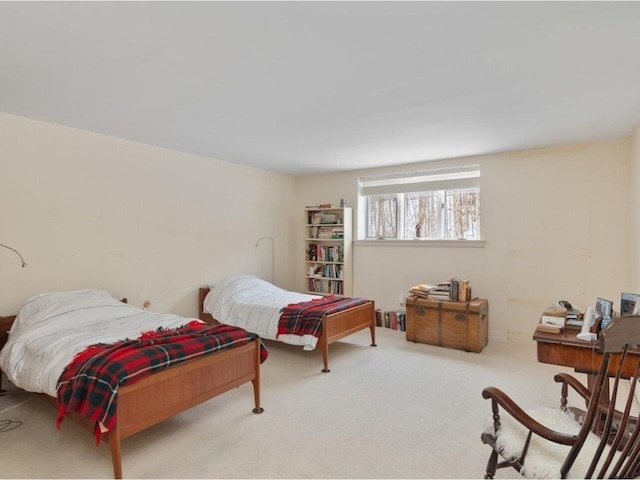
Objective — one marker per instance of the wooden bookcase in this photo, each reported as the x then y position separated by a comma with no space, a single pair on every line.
328,255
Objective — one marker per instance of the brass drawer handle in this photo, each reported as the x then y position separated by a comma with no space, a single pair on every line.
461,317
420,310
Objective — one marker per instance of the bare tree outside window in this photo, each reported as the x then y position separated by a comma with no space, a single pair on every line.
462,214
438,205
382,216
421,215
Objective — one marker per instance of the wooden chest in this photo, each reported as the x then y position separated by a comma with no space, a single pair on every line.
461,325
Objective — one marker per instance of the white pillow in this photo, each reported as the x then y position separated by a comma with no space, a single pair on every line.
241,283
48,306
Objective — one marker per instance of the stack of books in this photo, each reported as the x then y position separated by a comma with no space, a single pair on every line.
442,291
574,319
421,290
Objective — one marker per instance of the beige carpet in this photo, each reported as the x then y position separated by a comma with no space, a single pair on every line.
400,410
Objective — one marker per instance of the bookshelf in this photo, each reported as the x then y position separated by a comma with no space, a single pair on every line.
328,259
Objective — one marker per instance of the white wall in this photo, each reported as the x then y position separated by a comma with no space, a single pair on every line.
88,210
146,223
555,221
634,215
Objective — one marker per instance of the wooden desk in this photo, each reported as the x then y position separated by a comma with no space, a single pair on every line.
566,350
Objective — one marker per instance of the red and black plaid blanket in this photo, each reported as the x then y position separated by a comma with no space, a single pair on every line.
89,384
305,318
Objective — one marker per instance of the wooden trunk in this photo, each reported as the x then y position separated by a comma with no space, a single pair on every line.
461,325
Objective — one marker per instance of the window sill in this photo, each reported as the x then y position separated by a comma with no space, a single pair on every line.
421,243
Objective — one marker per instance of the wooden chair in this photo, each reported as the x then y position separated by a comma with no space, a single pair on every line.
601,441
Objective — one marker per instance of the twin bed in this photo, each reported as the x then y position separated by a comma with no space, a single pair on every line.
257,306
53,331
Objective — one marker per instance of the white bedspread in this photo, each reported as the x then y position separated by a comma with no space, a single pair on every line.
52,327
248,302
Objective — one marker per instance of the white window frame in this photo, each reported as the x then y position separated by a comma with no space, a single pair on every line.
437,180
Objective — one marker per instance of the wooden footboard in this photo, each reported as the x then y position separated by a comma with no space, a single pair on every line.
346,322
334,327
179,388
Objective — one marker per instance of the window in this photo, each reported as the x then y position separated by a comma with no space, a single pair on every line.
436,205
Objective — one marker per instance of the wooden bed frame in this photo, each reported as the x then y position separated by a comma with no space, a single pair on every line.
334,327
169,392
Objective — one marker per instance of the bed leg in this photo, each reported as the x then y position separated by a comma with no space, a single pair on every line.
373,335
324,347
256,381
256,396
116,456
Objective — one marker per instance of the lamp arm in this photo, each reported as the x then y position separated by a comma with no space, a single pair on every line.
273,257
24,264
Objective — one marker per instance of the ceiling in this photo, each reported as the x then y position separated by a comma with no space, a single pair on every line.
310,87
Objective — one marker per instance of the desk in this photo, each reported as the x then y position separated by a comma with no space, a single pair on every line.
566,350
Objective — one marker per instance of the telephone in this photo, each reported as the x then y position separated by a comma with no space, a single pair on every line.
565,304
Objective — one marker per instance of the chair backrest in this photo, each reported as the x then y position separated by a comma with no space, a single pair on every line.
618,454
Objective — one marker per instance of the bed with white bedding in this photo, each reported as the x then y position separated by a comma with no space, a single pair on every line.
51,329
257,306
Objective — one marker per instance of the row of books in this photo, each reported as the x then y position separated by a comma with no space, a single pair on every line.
331,270
326,233
391,319
453,289
323,286
322,253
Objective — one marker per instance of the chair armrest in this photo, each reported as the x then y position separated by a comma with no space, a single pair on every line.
498,397
574,383
567,379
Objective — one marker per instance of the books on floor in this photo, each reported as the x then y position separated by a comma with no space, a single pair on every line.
391,319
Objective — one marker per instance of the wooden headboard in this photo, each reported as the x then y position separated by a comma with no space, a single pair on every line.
202,315
5,326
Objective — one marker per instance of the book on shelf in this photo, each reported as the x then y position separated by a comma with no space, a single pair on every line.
335,287
323,285
325,253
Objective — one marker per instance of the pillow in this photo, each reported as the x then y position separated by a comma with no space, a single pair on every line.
240,283
51,305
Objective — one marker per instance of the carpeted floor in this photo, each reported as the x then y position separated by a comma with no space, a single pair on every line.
400,410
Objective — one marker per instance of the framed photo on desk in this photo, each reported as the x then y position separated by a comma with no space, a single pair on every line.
604,308
628,302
